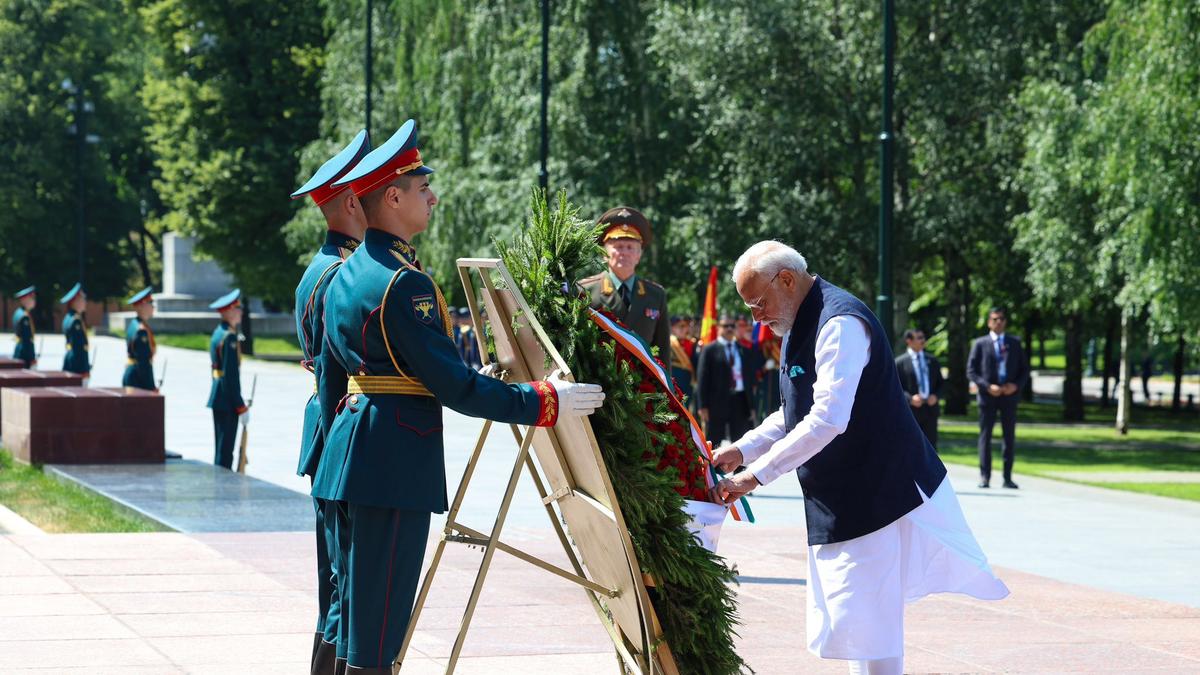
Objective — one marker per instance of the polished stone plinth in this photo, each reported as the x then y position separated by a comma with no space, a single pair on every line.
7,363
191,496
13,378
78,425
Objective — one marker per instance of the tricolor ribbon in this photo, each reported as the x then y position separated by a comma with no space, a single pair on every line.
636,346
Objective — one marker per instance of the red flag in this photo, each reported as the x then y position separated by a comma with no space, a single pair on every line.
708,324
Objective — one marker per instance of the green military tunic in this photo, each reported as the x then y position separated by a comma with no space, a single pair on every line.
76,332
646,313
140,348
310,331
387,327
23,327
225,395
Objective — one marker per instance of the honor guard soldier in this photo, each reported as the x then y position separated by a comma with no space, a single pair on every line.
345,224
225,397
638,303
388,329
139,344
75,330
23,326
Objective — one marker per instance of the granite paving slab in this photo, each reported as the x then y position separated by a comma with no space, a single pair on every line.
191,496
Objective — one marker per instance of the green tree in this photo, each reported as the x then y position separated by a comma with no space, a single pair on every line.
42,44
231,94
1148,165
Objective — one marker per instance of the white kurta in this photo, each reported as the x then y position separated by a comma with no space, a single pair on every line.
857,588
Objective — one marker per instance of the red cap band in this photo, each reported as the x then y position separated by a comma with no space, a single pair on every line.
396,166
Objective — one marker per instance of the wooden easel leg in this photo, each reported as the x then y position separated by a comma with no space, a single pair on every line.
490,550
459,495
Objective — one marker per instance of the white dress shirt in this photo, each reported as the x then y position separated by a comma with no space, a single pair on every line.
734,357
843,349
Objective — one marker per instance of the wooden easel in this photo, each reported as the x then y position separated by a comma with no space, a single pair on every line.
573,485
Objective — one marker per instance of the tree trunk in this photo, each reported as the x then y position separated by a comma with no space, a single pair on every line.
1027,337
1042,347
1125,402
958,327
247,328
1109,337
1073,378
1177,395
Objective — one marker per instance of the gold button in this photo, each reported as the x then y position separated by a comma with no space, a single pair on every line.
354,400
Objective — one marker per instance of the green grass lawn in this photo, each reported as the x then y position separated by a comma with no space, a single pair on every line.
59,507
1049,451
1051,413
263,346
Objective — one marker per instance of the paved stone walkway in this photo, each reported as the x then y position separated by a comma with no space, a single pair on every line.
1130,476
221,603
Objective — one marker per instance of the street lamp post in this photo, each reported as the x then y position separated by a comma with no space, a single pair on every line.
883,306
367,57
544,173
80,109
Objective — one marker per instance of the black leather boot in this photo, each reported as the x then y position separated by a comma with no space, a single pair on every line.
339,666
324,659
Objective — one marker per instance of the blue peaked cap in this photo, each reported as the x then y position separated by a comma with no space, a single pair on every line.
71,293
226,300
402,142
139,296
335,167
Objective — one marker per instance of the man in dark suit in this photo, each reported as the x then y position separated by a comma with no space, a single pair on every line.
999,370
724,386
636,301
921,379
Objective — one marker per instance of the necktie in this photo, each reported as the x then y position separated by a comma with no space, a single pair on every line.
922,375
1001,359
624,291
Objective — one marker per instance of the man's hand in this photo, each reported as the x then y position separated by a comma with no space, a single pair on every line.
932,400
728,459
575,399
704,414
731,489
916,401
1008,389
994,389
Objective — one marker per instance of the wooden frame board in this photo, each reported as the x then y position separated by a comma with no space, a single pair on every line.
571,478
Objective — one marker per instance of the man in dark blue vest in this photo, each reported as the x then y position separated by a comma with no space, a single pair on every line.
884,525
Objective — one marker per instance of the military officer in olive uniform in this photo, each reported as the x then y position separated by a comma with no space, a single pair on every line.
75,330
388,330
139,344
22,322
637,302
225,396
345,224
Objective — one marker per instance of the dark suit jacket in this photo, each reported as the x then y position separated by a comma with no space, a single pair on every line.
908,375
714,386
983,367
647,313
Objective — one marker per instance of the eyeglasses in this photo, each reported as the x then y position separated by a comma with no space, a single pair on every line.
757,304
729,325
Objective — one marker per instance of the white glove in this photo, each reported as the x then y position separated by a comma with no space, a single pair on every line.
244,418
576,399
490,370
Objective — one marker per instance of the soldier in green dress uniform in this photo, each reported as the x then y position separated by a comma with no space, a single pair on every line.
388,330
75,330
139,344
225,396
636,301
22,322
345,224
